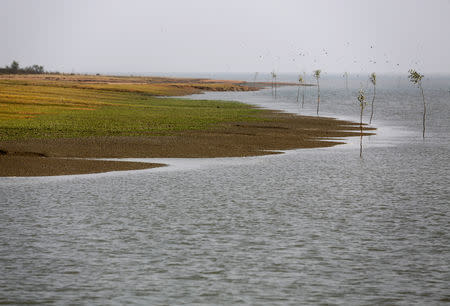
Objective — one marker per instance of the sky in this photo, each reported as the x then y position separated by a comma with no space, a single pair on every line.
146,36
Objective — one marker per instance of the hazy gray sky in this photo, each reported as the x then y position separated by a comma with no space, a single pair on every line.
227,36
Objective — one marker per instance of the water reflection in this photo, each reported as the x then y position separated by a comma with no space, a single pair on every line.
361,144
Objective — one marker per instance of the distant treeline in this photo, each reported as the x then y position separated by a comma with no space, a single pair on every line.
16,69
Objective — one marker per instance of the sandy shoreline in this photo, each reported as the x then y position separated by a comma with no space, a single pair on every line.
45,157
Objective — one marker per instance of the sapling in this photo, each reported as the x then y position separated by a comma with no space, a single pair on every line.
416,78
274,83
254,79
303,89
346,80
373,80
300,81
317,76
362,105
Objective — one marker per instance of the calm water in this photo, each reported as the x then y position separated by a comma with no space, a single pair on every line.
309,226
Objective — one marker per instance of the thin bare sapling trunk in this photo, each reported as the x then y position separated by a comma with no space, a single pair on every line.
416,78
303,90
317,76
300,81
318,96
274,84
362,104
373,80
424,110
373,100
346,80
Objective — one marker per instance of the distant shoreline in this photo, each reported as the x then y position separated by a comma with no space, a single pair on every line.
268,132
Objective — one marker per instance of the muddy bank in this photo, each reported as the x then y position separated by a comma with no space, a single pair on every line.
41,157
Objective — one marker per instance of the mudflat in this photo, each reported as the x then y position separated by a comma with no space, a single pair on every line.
265,132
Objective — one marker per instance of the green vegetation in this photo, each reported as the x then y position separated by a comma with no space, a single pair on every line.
52,109
15,69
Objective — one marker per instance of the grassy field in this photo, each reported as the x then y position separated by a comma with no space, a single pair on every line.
55,107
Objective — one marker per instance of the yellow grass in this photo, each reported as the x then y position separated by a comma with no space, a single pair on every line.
73,106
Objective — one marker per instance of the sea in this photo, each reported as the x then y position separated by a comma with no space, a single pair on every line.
321,226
